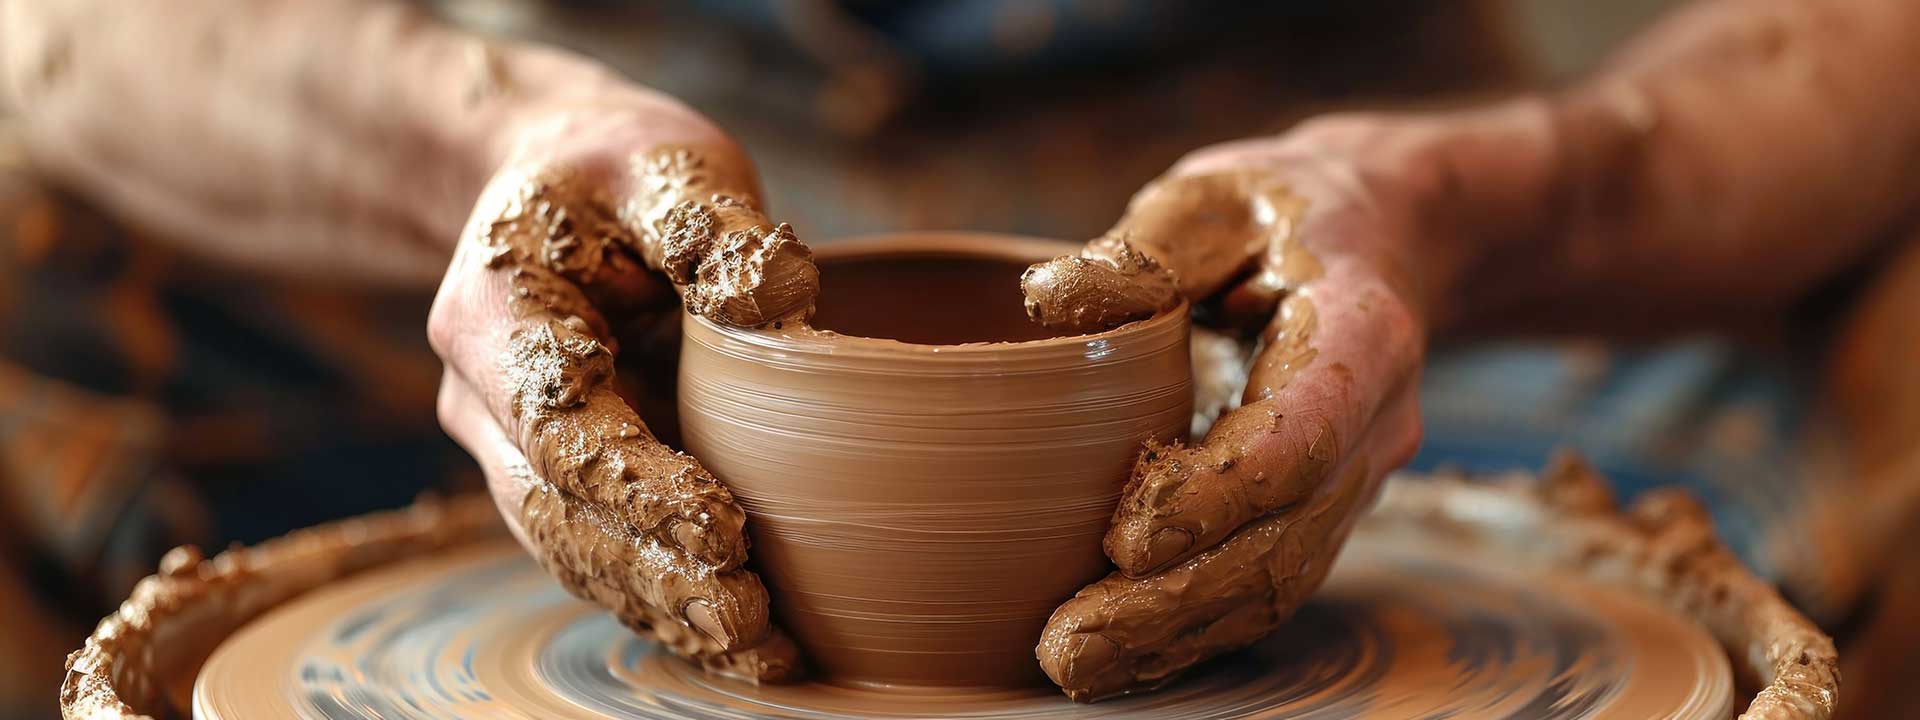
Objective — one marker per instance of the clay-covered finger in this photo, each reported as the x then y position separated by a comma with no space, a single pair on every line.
1182,235
1123,634
552,390
695,218
1213,229
1339,358
574,539
1107,285
642,579
718,618
511,476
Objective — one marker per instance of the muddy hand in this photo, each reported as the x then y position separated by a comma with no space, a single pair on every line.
594,219
1219,542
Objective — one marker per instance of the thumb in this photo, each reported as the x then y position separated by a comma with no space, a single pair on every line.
697,219
1211,229
1182,235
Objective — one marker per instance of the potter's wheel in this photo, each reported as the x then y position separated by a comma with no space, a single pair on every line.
1402,629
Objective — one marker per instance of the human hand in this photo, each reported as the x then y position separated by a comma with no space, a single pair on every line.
1332,241
601,213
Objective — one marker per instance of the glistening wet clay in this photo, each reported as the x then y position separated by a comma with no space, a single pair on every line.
918,510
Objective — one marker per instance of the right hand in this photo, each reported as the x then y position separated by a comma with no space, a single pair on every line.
555,256
1332,244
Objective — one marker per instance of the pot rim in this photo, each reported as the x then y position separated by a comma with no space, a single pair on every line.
987,245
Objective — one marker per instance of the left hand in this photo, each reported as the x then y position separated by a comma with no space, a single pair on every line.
1315,238
585,229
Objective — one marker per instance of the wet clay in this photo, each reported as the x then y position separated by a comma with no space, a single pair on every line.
1214,550
1453,599
1091,650
1401,631
1107,285
140,661
618,517
1662,547
918,509
703,229
1191,235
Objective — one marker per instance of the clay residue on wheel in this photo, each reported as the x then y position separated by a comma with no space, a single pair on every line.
617,516
138,658
1661,547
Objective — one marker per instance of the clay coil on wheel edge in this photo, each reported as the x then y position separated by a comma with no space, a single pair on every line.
126,671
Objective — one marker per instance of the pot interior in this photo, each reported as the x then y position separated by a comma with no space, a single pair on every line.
931,298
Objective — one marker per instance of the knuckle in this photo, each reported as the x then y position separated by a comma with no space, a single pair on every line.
1412,432
446,410
1222,155
1397,325
1337,130
443,321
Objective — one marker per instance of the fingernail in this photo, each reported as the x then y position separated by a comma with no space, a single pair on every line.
691,537
701,615
1167,545
1096,651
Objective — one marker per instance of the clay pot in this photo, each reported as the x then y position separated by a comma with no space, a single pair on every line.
927,475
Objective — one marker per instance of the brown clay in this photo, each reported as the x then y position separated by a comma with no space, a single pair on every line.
1206,231
1562,537
1092,649
141,660
1253,473
1662,548
1107,285
705,232
1202,232
1240,502
920,509
1410,628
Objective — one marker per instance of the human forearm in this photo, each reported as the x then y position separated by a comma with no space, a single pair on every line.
344,139
1735,156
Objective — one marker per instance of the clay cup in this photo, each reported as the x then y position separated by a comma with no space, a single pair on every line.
927,474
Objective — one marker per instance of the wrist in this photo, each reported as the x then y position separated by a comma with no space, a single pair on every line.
480,105
447,105
582,115
1483,182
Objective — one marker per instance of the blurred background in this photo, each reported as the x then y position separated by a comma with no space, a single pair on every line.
146,403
